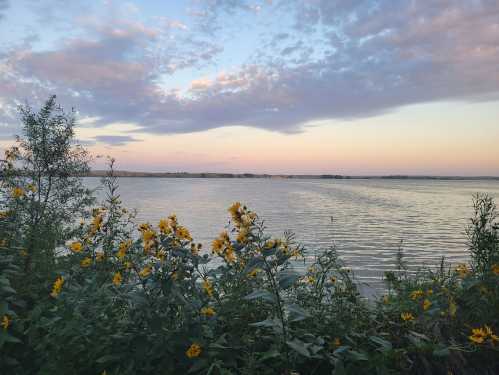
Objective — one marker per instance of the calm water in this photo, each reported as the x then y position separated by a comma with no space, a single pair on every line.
371,217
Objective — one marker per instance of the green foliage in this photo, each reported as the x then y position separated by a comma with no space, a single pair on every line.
114,296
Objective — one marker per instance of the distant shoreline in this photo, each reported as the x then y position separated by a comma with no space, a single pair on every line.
102,173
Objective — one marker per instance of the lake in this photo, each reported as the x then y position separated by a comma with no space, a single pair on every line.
366,219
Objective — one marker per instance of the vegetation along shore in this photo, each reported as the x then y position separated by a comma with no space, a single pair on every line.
86,289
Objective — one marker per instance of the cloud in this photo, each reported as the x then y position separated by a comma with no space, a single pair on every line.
335,60
115,140
4,5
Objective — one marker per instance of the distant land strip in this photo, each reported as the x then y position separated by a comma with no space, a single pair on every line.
102,173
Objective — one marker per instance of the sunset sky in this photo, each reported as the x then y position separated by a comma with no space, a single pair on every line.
362,87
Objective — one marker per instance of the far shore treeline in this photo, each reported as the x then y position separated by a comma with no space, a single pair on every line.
87,289
121,173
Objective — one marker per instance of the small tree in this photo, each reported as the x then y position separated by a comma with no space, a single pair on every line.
45,195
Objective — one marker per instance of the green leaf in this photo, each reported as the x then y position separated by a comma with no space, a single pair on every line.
108,358
260,294
287,278
296,313
299,347
441,351
358,356
385,345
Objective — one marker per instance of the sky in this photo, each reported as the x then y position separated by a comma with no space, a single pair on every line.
354,87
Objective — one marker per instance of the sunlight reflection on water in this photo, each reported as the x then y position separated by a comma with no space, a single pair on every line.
370,217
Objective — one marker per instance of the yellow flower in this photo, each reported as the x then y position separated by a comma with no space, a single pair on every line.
407,316
217,246
161,255
193,351
99,256
478,335
183,233
164,227
229,255
429,292
146,271
416,294
143,227
148,235
76,247
426,304
96,223
31,188
57,286
462,270
122,249
207,311
208,288
452,308
86,262
5,322
337,342
253,272
495,269
24,253
17,192
172,220
117,278
310,279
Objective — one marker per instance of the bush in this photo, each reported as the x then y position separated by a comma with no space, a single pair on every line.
130,298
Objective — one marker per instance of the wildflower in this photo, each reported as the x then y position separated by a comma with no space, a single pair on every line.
429,292
17,192
96,223
57,286
333,279
24,253
4,214
31,188
163,226
146,271
183,233
217,246
416,294
148,235
99,256
117,278
478,335
194,351
208,288
462,270
242,236
253,272
495,269
337,342
407,316
128,265
122,248
229,255
452,308
161,255
5,322
426,304
386,299
207,311
76,247
86,262
310,280
143,227
194,249
172,220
